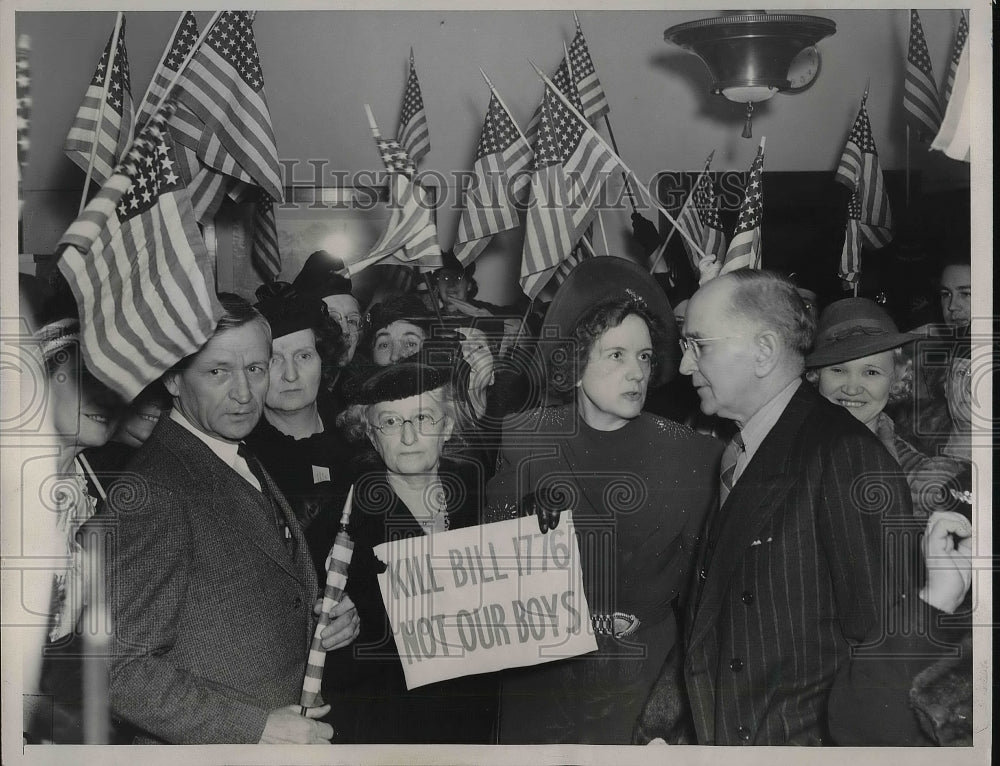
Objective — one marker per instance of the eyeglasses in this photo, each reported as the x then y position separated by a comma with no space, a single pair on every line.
390,425
694,344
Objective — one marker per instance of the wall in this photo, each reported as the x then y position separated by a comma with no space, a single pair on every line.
321,67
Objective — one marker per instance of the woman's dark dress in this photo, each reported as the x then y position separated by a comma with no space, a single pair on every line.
639,497
365,683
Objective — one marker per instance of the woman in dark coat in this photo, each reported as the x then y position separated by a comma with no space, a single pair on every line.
639,487
407,488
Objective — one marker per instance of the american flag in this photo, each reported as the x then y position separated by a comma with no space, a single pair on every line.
954,138
265,255
595,102
571,165
564,82
223,87
174,54
410,236
744,249
700,219
502,159
22,91
139,270
118,121
961,35
869,217
413,134
920,93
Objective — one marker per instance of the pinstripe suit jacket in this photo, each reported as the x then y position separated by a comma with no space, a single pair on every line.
792,576
213,616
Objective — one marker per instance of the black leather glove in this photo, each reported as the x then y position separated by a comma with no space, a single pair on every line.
546,505
645,233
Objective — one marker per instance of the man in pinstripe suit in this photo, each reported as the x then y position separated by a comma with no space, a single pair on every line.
792,569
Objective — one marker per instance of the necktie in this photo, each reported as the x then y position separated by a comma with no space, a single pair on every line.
258,471
727,470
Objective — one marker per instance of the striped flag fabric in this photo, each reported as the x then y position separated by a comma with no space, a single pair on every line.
413,134
920,93
595,101
745,248
177,49
571,164
502,157
410,236
869,216
223,86
961,35
700,219
955,136
265,254
22,91
338,561
139,269
562,80
117,122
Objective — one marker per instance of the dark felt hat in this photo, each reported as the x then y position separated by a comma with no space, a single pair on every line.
438,362
853,328
286,310
405,308
451,263
319,276
597,279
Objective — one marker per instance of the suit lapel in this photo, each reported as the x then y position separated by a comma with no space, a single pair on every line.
762,486
234,501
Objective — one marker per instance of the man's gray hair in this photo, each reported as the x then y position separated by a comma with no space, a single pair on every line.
771,299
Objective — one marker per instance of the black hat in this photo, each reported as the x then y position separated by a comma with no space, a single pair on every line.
451,263
597,279
319,276
287,311
853,328
405,308
438,361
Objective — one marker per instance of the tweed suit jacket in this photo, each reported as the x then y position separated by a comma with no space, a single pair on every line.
212,614
791,574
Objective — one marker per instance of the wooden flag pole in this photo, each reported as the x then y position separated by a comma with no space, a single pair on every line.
187,60
625,168
673,229
163,58
100,111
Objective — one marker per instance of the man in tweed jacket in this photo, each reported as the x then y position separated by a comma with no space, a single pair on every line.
212,586
797,567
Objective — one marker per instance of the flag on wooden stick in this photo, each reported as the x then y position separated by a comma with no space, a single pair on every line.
745,248
955,136
571,164
700,219
869,217
139,270
413,134
920,93
961,35
595,102
177,49
265,255
502,158
338,560
223,86
117,120
564,82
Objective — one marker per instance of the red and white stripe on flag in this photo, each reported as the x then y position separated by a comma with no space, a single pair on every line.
139,270
502,157
117,121
177,50
920,93
595,101
955,136
571,166
414,135
961,35
265,254
745,248
224,86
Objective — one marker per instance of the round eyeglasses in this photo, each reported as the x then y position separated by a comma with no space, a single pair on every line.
391,425
694,344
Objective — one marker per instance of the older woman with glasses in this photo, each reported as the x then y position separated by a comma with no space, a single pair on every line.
407,486
639,487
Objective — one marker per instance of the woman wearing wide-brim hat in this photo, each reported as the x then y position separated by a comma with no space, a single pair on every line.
639,487
858,362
